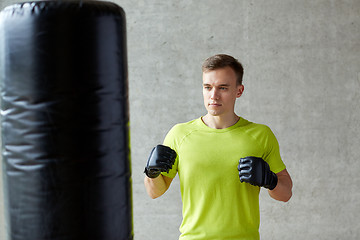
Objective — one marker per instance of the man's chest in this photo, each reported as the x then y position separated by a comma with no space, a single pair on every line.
220,152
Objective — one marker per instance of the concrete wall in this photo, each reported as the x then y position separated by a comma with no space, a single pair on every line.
302,78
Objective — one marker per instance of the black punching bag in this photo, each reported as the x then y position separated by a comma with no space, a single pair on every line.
64,121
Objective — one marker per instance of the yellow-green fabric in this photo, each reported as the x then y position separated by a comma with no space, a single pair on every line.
215,204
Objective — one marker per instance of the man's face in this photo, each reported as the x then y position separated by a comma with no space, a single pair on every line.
220,91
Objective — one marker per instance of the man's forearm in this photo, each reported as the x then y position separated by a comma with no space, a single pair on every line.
283,189
156,187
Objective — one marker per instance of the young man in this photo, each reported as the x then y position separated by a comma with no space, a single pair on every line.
222,161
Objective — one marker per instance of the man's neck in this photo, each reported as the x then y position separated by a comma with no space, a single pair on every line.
220,122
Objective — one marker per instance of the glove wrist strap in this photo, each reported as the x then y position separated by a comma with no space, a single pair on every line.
273,181
151,174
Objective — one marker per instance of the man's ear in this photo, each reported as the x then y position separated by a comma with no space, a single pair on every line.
240,90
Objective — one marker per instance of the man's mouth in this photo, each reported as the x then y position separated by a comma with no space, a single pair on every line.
215,104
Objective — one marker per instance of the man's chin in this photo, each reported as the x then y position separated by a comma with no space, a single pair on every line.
214,113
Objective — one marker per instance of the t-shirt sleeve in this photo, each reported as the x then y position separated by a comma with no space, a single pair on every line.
170,141
272,151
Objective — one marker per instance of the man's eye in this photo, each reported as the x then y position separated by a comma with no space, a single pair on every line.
223,88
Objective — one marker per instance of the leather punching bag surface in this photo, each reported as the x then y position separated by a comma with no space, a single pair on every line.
64,121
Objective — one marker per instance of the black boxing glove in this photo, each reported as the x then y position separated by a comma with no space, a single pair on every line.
161,159
257,172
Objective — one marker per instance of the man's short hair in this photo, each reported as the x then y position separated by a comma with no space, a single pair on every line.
221,61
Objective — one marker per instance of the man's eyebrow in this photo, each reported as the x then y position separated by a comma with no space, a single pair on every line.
221,85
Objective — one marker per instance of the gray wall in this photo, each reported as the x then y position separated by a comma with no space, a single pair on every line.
302,78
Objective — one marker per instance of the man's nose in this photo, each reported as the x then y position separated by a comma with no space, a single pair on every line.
214,94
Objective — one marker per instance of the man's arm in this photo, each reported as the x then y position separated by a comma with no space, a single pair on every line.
156,187
283,189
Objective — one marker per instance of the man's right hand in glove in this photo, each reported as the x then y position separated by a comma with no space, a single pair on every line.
161,159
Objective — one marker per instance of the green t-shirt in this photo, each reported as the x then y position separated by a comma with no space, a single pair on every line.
216,205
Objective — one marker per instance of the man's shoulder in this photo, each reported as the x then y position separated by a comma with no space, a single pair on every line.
185,127
256,130
179,132
261,133
254,126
